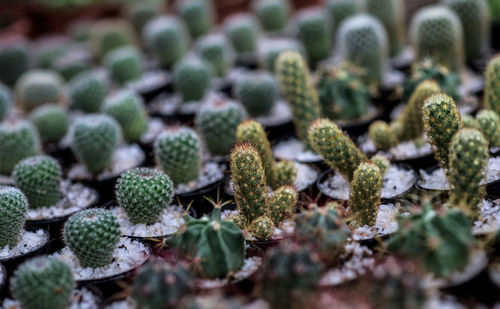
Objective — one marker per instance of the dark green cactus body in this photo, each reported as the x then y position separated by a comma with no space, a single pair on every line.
18,140
14,60
270,50
5,102
364,196
382,135
43,283
51,122
243,31
492,91
258,92
281,203
314,30
192,77
13,209
92,235
109,34
488,122
35,88
87,92
217,51
124,64
198,16
144,193
273,14
262,228
340,10
392,15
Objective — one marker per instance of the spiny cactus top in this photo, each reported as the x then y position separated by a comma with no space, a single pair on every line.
38,87
364,196
14,59
243,32
87,92
199,16
43,283
5,102
273,14
124,64
488,122
341,10
92,235
144,193
436,32
392,15
258,92
18,140
192,77
217,51
492,91
13,209
382,136
108,34
314,30
51,122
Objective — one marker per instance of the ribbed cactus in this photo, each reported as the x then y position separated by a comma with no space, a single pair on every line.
436,32
18,140
271,49
299,91
488,122
178,153
144,193
87,92
441,121
14,60
92,235
262,228
243,32
382,135
491,90
362,40
39,178
124,64
192,77
217,51
13,209
128,109
94,140
5,102
258,92
273,14
364,196
38,87
337,149
314,31
217,121
109,34
199,16
55,292
340,10
51,122
282,204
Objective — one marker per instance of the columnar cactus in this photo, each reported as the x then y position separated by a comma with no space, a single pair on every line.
258,92
364,196
87,92
5,102
192,77
217,51
436,32
13,209
285,174
492,91
337,149
243,32
92,235
94,139
282,203
109,34
299,91
39,178
124,64
362,40
56,290
273,14
217,121
51,122
18,140
14,60
314,30
144,193
199,16
341,10
35,88
488,122
382,135
178,153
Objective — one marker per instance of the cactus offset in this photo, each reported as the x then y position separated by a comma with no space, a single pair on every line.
87,92
488,122
364,195
273,14
314,31
198,15
51,122
192,77
258,92
13,209
243,32
18,140
382,162
285,174
35,88
262,228
281,204
382,135
492,91
124,64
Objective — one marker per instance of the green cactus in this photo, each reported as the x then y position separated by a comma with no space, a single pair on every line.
18,140
271,49
109,34
436,32
382,135
87,92
144,193
281,204
262,228
38,87
5,102
362,40
382,162
192,78
39,178
299,91
470,122
124,64
55,292
94,139
14,60
314,31
441,121
92,235
217,121
47,50
199,16
337,149
285,173
128,109
340,10
243,32
13,209
216,50
258,92
488,122
491,89
178,152
140,13
51,122
364,196
73,62
273,14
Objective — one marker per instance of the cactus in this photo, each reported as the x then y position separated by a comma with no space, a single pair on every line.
51,122
92,235
217,51
337,149
299,91
167,37
178,153
55,292
314,31
127,108
382,162
488,122
382,135
340,10
109,34
48,49
38,87
39,178
192,78
491,91
281,204
140,13
258,92
271,49
13,209
124,64
441,121
73,62
14,60
262,228
159,285
94,139
243,32
273,14
18,140
364,196
5,102
217,121
470,122
144,193
436,32
285,174
362,40
87,92
199,16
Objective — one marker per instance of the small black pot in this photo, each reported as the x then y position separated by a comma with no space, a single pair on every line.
248,62
149,90
357,127
63,155
197,198
495,36
3,283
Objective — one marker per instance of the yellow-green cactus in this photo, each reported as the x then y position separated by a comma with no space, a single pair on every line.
281,203
488,122
364,195
382,135
491,90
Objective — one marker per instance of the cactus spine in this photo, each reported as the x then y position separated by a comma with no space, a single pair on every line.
192,77
13,209
364,196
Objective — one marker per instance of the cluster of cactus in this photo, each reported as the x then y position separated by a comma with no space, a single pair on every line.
92,235
5,102
217,51
273,14
18,140
124,64
51,122
87,92
270,50
13,209
38,87
14,60
198,15
488,122
491,91
109,34
364,195
192,77
340,10
314,31
258,92
243,31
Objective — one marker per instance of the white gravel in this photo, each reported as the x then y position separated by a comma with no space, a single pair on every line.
286,229
149,81
489,220
155,127
165,105
81,299
402,151
210,173
250,266
7,180
280,114
29,241
385,224
127,303
293,150
129,255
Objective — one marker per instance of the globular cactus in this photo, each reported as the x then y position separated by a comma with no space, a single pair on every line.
140,13
441,121
39,178
14,60
362,40
217,121
167,37
243,32
364,195
47,50
258,92
337,149
92,235
13,209
38,87
470,122
281,204
178,153
273,14
128,109
192,78
109,34
262,228
18,140
271,49
298,89
491,91
94,139
199,16
285,174
51,122
217,51
382,162
5,102
382,135
314,31
144,193
436,32
488,122
124,64
55,292
73,62
340,10
87,92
